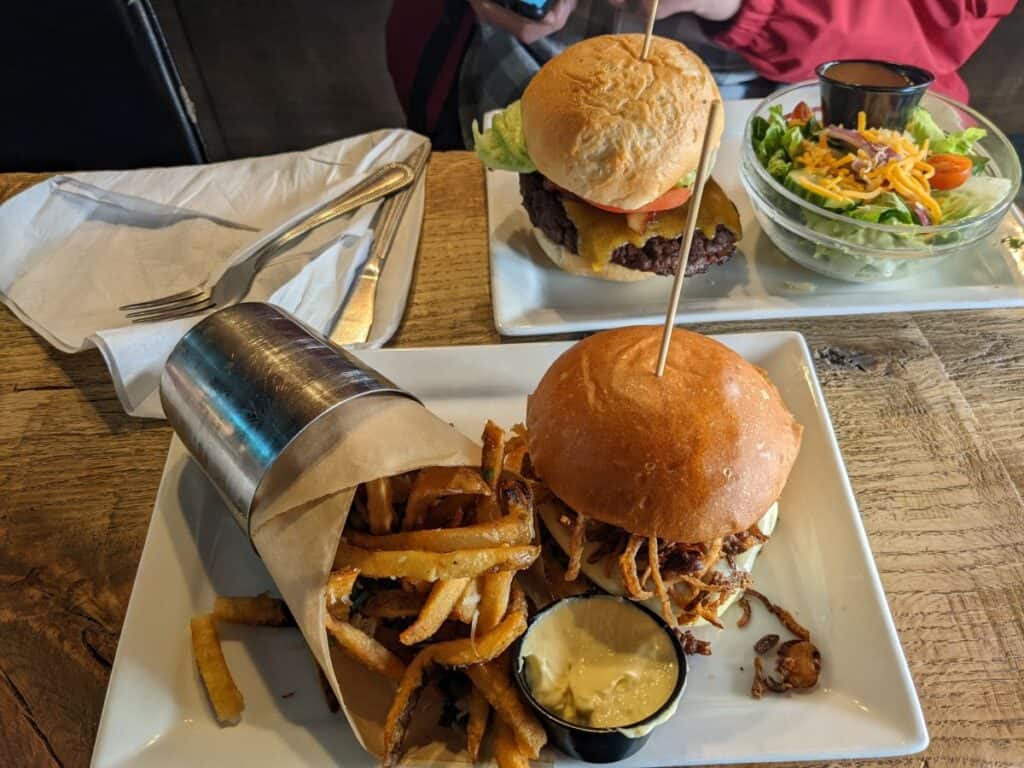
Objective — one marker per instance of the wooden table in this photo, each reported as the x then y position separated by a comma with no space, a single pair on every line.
928,408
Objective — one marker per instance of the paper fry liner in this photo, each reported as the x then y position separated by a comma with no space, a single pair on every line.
297,534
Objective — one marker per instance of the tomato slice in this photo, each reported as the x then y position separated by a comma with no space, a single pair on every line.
950,170
672,199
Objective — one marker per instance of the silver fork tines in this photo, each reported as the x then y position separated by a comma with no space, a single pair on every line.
197,303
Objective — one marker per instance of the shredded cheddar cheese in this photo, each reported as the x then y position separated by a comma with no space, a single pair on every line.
899,165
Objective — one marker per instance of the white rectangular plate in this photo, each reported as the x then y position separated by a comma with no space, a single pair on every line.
532,296
818,565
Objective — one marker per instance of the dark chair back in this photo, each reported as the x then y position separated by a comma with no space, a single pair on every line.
90,85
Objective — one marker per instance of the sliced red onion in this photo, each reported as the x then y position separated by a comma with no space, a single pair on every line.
922,214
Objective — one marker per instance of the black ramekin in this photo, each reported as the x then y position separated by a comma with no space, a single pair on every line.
886,106
597,745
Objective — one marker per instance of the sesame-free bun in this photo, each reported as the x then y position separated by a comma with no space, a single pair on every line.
697,454
616,130
565,259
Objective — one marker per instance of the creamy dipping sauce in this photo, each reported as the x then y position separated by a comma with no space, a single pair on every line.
867,73
599,662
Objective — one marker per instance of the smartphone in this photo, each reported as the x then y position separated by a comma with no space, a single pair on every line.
531,9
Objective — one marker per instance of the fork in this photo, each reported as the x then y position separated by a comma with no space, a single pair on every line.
205,296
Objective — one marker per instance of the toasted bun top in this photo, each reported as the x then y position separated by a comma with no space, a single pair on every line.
699,453
616,130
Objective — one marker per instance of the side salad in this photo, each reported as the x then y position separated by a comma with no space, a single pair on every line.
916,177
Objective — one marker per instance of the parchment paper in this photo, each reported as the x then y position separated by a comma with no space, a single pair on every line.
297,535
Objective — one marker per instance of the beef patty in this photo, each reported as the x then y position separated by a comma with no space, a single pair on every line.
659,254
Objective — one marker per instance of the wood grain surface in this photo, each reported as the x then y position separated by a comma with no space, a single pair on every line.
928,408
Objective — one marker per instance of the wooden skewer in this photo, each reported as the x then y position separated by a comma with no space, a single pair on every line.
650,30
691,225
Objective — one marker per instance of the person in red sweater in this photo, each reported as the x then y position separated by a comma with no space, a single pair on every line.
750,45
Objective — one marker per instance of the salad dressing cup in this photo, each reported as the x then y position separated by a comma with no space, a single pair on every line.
850,86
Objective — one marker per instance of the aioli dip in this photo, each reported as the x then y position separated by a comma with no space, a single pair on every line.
599,662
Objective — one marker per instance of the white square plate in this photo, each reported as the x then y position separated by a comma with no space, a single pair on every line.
818,565
531,296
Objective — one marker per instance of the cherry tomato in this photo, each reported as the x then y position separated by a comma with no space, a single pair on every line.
671,199
800,115
950,170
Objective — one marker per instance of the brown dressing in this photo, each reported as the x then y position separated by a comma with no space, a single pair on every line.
867,73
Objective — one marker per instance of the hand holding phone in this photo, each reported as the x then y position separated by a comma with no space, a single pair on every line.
526,29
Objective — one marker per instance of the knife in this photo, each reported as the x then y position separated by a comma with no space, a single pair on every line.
356,320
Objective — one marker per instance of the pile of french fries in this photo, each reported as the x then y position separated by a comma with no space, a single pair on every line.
425,578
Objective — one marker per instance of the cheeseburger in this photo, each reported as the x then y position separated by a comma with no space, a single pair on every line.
607,147
661,489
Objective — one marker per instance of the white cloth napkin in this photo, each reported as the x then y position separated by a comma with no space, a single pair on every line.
76,247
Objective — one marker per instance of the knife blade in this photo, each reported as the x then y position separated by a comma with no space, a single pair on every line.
356,319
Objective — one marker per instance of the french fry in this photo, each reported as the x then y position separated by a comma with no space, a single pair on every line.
491,454
256,611
402,706
339,591
468,602
479,712
365,649
449,653
515,454
494,683
494,596
433,483
513,529
508,752
393,604
433,566
379,506
439,604
224,695
488,645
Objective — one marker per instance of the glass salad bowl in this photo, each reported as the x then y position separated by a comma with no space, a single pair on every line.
838,246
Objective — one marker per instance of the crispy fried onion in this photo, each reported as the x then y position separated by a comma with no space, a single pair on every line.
577,541
691,645
745,607
783,615
798,663
453,654
682,576
627,567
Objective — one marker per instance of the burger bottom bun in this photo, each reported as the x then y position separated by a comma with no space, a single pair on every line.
613,584
575,265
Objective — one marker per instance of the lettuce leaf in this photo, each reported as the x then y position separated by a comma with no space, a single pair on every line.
923,126
977,195
503,145
887,208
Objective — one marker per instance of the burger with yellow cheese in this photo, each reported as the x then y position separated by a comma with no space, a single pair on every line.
607,147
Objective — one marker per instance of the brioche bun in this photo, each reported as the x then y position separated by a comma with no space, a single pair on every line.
697,454
574,264
616,130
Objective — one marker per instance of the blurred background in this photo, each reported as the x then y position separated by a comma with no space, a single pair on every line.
129,83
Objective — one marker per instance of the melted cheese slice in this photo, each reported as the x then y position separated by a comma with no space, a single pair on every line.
601,232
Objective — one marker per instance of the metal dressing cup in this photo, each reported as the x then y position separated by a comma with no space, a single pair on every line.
243,390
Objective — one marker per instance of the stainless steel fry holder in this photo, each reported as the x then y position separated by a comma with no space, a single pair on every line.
244,385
